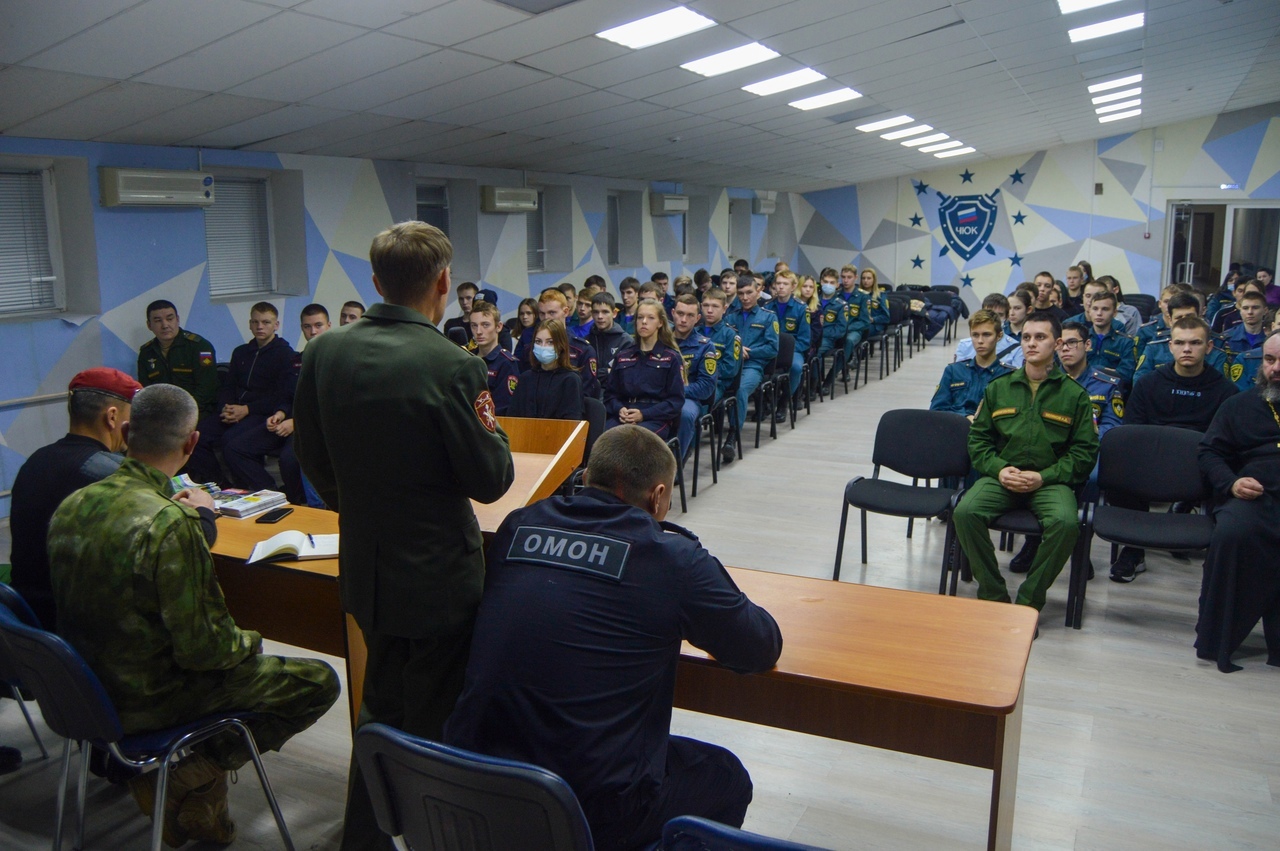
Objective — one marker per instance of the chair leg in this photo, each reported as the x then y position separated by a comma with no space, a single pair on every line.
844,520
162,792
63,776
911,520
697,452
17,698
266,784
946,560
863,512
85,752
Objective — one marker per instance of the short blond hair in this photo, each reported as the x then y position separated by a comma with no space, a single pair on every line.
408,258
553,294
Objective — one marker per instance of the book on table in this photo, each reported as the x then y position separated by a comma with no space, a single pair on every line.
297,545
237,503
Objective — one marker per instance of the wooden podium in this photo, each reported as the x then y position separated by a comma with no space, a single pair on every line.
298,603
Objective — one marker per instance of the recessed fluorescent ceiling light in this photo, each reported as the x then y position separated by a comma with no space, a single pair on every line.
1117,25
838,96
924,140
1114,96
1069,6
954,143
910,131
1103,119
794,80
730,60
1116,107
957,152
886,123
658,28
1115,84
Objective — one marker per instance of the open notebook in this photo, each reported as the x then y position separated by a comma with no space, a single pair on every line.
297,545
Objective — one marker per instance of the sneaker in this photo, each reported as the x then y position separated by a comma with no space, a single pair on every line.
1128,565
204,815
1021,562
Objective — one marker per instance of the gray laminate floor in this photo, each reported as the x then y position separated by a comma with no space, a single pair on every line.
1128,742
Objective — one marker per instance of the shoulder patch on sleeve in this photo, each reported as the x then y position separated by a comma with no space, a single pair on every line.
709,363
1117,406
485,411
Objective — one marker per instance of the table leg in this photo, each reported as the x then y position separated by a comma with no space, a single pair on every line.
1004,779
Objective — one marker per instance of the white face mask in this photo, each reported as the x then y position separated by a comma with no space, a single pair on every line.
545,354
828,290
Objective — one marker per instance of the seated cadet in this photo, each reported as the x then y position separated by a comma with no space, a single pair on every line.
1228,315
1251,331
97,407
551,389
629,289
757,327
1158,327
1127,313
1184,394
849,288
1008,348
553,307
700,363
1020,301
1106,391
964,382
522,330
466,294
1245,368
1075,291
807,295
1108,348
573,662
606,335
793,319
571,300
138,599
724,337
504,372
315,321
175,356
351,311
646,384
834,311
1223,296
1032,442
664,293
877,305
1158,351
1046,287
729,284
250,394
1090,290
582,319
856,309
1240,457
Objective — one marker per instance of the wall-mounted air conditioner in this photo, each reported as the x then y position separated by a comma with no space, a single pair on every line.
668,205
136,187
508,199
763,206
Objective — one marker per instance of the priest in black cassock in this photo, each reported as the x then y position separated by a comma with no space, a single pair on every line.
1240,456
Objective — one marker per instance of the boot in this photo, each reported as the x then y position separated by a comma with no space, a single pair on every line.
728,451
204,815
1021,562
194,772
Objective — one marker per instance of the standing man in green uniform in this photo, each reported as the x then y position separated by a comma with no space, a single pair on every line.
1033,441
137,597
175,356
395,427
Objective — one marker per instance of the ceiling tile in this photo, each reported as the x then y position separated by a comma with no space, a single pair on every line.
367,13
205,115
440,67
371,53
277,123
105,110
457,21
426,105
28,92
31,27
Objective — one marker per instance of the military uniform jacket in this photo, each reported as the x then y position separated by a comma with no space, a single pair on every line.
758,329
1052,434
835,323
1148,332
396,429
793,319
607,344
1242,371
503,376
191,364
700,366
962,385
652,382
1105,395
728,348
1158,352
1114,351
857,310
877,311
1236,342
583,357
137,596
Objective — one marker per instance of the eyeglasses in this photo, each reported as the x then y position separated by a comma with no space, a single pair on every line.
1071,344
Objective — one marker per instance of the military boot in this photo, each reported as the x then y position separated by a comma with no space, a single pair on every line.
204,815
191,773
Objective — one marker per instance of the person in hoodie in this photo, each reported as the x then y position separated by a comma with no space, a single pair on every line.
250,392
551,388
606,335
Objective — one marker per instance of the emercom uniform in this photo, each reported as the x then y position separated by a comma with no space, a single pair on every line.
191,364
1113,351
728,347
700,391
793,319
963,384
1158,352
857,319
137,597
758,329
1050,432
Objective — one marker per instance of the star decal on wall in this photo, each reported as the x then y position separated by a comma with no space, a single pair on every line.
916,220
921,186
1017,176
967,281
1019,218
966,177
1016,259
917,262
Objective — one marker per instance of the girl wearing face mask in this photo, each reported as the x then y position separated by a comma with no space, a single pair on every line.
550,389
646,382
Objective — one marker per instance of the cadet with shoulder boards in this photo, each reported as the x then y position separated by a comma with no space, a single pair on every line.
757,326
964,382
834,311
723,336
503,373
1158,351
700,367
793,319
646,385
175,356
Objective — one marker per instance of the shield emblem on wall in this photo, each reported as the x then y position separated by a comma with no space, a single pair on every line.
967,222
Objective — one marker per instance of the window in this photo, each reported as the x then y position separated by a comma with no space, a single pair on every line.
612,223
28,279
433,205
537,237
237,233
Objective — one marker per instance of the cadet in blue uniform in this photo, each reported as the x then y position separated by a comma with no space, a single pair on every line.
835,317
1106,391
758,329
1249,334
503,370
964,382
857,314
877,305
646,384
700,366
1109,348
554,307
1157,351
573,660
606,337
793,319
724,338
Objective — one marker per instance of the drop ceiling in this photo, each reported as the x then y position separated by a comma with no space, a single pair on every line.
483,83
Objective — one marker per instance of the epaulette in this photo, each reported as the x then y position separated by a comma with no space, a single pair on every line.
1106,374
1149,322
676,529
193,337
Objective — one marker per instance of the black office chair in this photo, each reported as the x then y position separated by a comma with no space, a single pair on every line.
946,288
1145,464
674,445
76,707
690,833
428,795
1146,304
458,336
596,417
764,399
918,443
942,299
14,602
714,421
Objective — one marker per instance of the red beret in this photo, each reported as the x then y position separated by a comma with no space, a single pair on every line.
104,379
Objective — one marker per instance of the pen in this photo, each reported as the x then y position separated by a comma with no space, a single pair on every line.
311,539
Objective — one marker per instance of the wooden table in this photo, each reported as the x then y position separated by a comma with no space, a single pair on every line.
912,672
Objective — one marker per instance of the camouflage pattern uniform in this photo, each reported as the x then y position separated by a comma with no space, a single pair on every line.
137,597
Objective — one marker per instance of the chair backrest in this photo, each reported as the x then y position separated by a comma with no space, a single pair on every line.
1152,463
939,298
71,697
1146,304
597,416
922,444
458,336
14,601
436,796
690,833
913,288
786,352
946,288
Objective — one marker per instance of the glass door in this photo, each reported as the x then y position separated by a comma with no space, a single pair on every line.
1253,241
